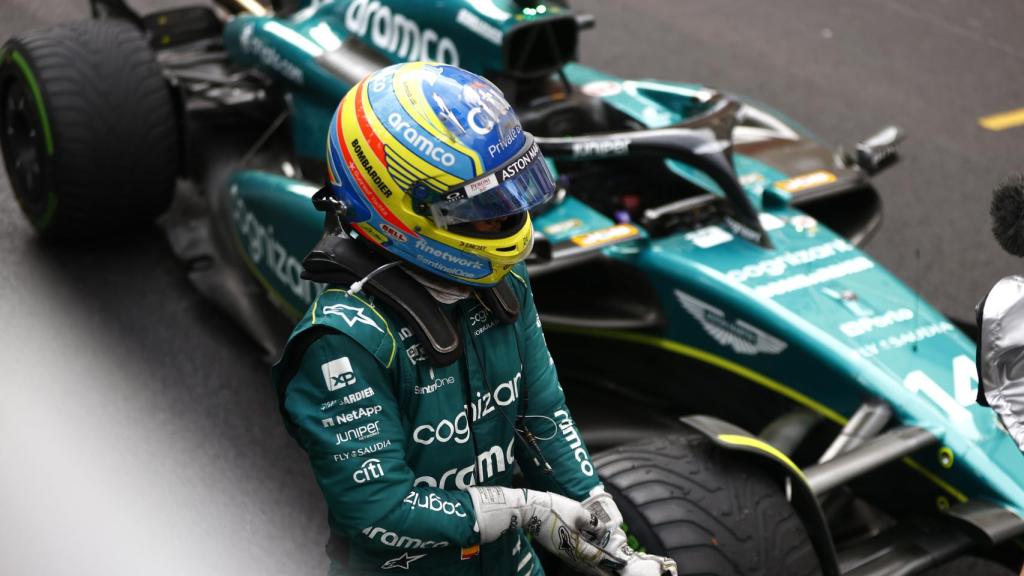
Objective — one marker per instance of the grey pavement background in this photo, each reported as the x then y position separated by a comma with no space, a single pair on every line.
138,432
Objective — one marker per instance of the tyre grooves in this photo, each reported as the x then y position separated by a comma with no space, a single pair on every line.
113,124
713,512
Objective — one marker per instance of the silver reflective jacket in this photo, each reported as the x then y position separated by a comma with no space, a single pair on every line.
1001,354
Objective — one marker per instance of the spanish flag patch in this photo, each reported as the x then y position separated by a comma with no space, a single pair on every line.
471,552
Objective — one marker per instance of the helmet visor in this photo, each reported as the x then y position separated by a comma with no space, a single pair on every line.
517,186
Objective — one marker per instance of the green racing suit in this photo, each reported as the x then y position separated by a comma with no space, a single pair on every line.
394,441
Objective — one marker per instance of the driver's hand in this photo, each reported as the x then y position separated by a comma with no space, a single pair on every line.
609,519
609,536
640,564
554,521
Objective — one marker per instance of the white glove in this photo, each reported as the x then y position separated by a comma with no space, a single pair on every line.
609,519
608,534
554,521
641,564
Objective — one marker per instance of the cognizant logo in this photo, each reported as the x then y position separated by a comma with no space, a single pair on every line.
264,250
457,429
418,141
398,34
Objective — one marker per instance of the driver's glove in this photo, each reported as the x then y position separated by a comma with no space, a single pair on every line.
556,522
608,535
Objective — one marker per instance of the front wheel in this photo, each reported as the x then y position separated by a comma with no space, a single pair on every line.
715,512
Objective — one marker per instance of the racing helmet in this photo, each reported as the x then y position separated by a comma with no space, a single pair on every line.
435,168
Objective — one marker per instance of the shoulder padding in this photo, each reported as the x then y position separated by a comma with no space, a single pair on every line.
356,317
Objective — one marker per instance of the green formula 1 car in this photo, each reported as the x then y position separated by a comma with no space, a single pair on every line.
701,257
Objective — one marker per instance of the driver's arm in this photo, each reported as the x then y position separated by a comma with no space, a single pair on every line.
572,472
356,444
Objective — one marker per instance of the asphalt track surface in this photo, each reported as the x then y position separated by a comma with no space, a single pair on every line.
139,433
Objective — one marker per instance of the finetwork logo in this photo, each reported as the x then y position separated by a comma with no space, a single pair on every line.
338,374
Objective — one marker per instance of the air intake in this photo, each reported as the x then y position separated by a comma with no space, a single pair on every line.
538,48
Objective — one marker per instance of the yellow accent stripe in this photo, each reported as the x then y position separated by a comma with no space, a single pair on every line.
425,168
387,326
960,496
1003,120
764,447
709,358
756,377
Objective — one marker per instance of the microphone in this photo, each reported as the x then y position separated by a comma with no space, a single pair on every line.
1007,211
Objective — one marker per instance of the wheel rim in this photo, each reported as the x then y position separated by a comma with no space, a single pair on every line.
23,146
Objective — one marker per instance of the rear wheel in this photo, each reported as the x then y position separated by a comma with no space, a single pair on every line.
714,512
88,129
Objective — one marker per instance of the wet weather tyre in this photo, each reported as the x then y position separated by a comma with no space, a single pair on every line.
88,129
715,512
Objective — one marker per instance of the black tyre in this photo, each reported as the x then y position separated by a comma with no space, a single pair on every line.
715,512
88,129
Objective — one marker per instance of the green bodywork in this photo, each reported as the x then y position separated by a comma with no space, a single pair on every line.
827,324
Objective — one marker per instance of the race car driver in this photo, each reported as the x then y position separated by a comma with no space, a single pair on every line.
417,389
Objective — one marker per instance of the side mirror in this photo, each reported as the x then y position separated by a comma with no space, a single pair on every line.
585,21
879,150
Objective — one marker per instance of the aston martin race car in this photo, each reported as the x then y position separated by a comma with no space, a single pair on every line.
769,398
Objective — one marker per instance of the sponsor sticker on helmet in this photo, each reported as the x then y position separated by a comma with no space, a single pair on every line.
482,185
393,232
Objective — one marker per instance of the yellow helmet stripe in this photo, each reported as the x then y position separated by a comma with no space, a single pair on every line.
412,162
363,162
409,91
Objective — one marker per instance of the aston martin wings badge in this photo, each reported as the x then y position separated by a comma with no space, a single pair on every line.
736,334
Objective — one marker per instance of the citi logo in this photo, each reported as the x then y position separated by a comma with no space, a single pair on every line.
370,470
